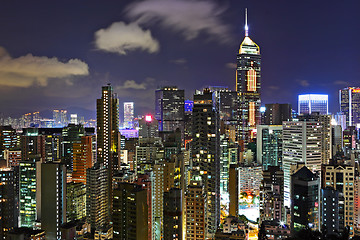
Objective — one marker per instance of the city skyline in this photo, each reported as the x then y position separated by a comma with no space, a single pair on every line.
176,50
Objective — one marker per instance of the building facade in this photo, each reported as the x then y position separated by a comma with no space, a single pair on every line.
311,103
349,99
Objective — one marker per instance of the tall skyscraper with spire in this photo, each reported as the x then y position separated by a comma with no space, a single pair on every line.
248,85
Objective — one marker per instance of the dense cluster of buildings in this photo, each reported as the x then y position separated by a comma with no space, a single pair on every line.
188,170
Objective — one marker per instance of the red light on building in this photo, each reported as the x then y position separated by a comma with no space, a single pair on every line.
148,118
356,90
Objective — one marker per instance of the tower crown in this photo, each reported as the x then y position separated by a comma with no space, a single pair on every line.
248,46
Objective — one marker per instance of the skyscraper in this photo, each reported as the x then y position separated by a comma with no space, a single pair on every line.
108,138
169,108
248,85
301,144
128,114
27,197
107,126
205,154
53,198
311,103
350,105
269,145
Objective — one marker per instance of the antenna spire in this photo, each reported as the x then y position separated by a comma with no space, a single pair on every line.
246,25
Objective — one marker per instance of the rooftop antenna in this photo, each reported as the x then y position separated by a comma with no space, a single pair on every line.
246,25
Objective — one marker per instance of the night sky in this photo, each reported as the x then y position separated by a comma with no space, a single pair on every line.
57,54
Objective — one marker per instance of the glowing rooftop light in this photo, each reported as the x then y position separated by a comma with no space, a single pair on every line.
148,118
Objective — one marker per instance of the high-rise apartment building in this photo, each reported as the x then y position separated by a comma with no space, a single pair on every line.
248,86
332,210
272,195
97,201
341,178
312,103
276,113
108,150
301,144
349,99
53,198
169,108
75,201
8,199
205,155
196,209
107,126
130,212
173,214
128,114
82,158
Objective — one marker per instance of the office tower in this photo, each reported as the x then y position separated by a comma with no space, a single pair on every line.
325,122
75,201
225,101
8,213
350,105
332,210
269,143
233,190
97,196
250,179
312,103
305,200
272,195
27,190
248,86
53,198
130,212
173,214
128,114
196,210
301,144
148,127
340,120
8,139
276,113
205,154
169,108
341,178
82,158
224,167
